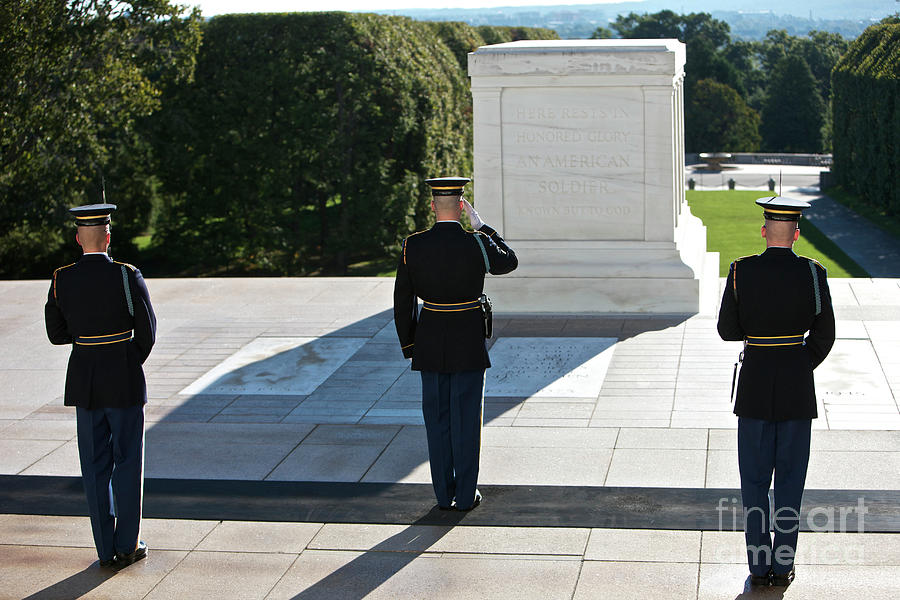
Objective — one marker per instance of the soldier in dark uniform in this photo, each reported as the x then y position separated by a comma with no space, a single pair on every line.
779,305
103,309
445,267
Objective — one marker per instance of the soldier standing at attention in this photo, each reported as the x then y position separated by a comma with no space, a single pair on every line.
103,309
445,267
779,305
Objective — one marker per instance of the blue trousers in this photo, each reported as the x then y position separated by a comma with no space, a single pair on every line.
764,447
111,450
452,404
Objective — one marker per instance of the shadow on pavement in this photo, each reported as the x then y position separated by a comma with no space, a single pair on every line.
75,586
342,371
361,576
769,593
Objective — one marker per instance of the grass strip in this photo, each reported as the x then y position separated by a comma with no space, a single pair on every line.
733,222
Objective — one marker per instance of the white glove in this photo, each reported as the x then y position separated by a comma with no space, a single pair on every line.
474,219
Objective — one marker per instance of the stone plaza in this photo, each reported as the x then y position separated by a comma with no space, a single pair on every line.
285,455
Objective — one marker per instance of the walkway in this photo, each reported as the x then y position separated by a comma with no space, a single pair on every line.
612,474
875,250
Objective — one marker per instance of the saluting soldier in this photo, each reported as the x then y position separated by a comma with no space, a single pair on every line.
445,267
102,307
779,305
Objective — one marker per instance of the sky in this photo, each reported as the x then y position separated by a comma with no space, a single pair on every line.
211,8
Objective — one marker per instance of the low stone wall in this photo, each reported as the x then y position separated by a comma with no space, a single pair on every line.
760,158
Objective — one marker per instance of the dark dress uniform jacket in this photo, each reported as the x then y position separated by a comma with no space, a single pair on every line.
770,295
445,265
88,299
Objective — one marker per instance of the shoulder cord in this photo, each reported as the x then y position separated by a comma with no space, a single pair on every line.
734,280
740,360
127,290
487,263
815,277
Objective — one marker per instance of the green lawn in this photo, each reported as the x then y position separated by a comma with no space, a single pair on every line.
733,220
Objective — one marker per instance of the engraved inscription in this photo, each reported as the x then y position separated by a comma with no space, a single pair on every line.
572,186
611,65
575,211
573,163
553,367
569,112
544,136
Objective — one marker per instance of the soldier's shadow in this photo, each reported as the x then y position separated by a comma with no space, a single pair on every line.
758,592
355,377
74,586
375,566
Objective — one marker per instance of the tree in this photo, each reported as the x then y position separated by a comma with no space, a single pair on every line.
708,45
820,49
462,38
602,33
667,24
867,117
77,77
303,142
722,121
792,116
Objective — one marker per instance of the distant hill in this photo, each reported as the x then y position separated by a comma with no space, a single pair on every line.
748,20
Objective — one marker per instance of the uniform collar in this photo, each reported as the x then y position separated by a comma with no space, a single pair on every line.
96,256
448,224
779,251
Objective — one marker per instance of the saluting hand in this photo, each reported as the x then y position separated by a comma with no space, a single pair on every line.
474,219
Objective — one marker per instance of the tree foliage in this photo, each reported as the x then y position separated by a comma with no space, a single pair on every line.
501,35
304,140
77,77
667,24
821,51
866,106
707,42
722,119
749,69
301,144
793,113
462,38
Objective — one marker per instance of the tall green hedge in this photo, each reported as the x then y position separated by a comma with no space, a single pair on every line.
462,38
866,107
304,140
302,144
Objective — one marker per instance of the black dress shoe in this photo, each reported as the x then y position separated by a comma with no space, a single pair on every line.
108,563
760,580
123,560
474,504
783,579
451,507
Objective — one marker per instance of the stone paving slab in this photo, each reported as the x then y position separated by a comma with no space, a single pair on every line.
659,416
227,559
